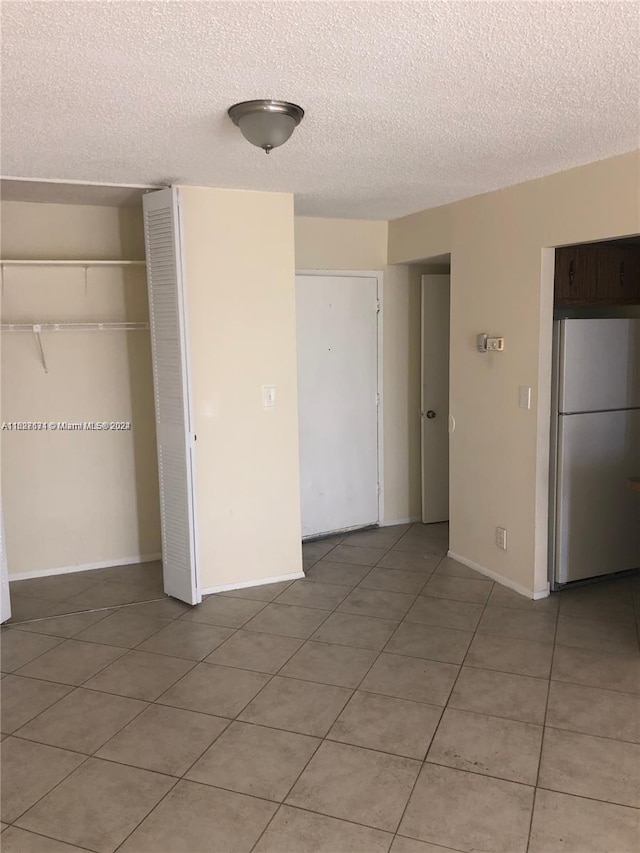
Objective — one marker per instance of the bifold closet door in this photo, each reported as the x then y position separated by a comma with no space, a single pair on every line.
167,312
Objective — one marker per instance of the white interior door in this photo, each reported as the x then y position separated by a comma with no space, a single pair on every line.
171,386
337,341
435,398
5,597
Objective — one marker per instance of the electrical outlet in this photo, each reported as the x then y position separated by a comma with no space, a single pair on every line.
501,538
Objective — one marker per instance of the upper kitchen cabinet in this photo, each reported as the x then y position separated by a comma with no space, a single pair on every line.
598,274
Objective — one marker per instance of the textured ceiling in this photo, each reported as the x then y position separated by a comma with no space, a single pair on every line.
409,104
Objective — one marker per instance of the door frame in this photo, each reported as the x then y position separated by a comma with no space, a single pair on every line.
378,276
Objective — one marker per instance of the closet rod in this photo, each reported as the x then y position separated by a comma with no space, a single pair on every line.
45,263
71,327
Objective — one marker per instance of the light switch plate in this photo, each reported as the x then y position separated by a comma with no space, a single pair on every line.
269,396
524,396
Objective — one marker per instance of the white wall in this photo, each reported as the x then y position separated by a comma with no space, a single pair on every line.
74,499
239,251
349,244
502,283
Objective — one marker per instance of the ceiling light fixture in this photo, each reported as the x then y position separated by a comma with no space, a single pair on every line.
266,123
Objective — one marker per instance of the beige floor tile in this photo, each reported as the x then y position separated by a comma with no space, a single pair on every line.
594,767
458,589
437,530
488,745
212,689
502,596
597,669
121,628
191,640
592,711
518,624
610,602
258,652
613,636
223,611
83,721
297,706
25,608
293,830
140,675
421,545
16,840
329,663
505,654
165,608
411,678
459,810
566,824
410,845
25,698
66,626
196,818
364,632
20,647
376,602
264,592
453,569
380,537
323,596
356,555
386,724
72,662
317,550
359,785
427,641
255,760
163,739
337,573
394,580
56,587
443,613
98,805
500,694
287,620
409,561
29,771
112,594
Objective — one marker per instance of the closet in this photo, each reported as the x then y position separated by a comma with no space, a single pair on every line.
76,356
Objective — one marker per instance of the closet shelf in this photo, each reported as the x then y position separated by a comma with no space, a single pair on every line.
69,263
113,326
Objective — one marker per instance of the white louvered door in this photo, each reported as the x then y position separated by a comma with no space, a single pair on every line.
171,388
5,597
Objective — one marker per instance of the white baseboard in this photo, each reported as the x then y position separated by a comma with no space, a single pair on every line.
228,587
394,521
85,567
516,587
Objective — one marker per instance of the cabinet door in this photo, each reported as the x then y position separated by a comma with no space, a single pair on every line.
575,274
618,274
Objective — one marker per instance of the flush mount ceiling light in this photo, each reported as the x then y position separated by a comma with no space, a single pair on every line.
266,123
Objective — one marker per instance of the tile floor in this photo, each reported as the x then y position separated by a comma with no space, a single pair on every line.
394,700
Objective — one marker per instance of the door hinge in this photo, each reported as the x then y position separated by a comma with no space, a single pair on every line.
378,400
379,489
377,306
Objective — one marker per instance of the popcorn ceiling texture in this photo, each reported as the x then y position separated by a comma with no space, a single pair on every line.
409,105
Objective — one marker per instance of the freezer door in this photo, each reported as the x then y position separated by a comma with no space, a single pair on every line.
599,365
598,514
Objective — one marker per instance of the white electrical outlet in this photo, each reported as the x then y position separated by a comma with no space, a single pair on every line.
501,538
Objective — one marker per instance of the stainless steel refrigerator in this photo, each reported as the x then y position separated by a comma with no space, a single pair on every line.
595,448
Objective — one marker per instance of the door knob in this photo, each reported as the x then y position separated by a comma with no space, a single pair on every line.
431,414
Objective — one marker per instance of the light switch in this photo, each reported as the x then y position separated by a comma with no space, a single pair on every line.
524,397
269,396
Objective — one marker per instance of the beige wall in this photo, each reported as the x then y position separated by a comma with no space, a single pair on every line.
351,244
239,261
502,283
74,499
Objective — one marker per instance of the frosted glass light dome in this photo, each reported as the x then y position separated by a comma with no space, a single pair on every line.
266,124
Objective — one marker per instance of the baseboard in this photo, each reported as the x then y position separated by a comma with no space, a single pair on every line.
393,522
516,587
228,587
85,567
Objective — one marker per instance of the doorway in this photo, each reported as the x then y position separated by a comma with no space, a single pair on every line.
434,397
339,400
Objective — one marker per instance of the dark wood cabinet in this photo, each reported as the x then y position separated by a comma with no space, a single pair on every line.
597,274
